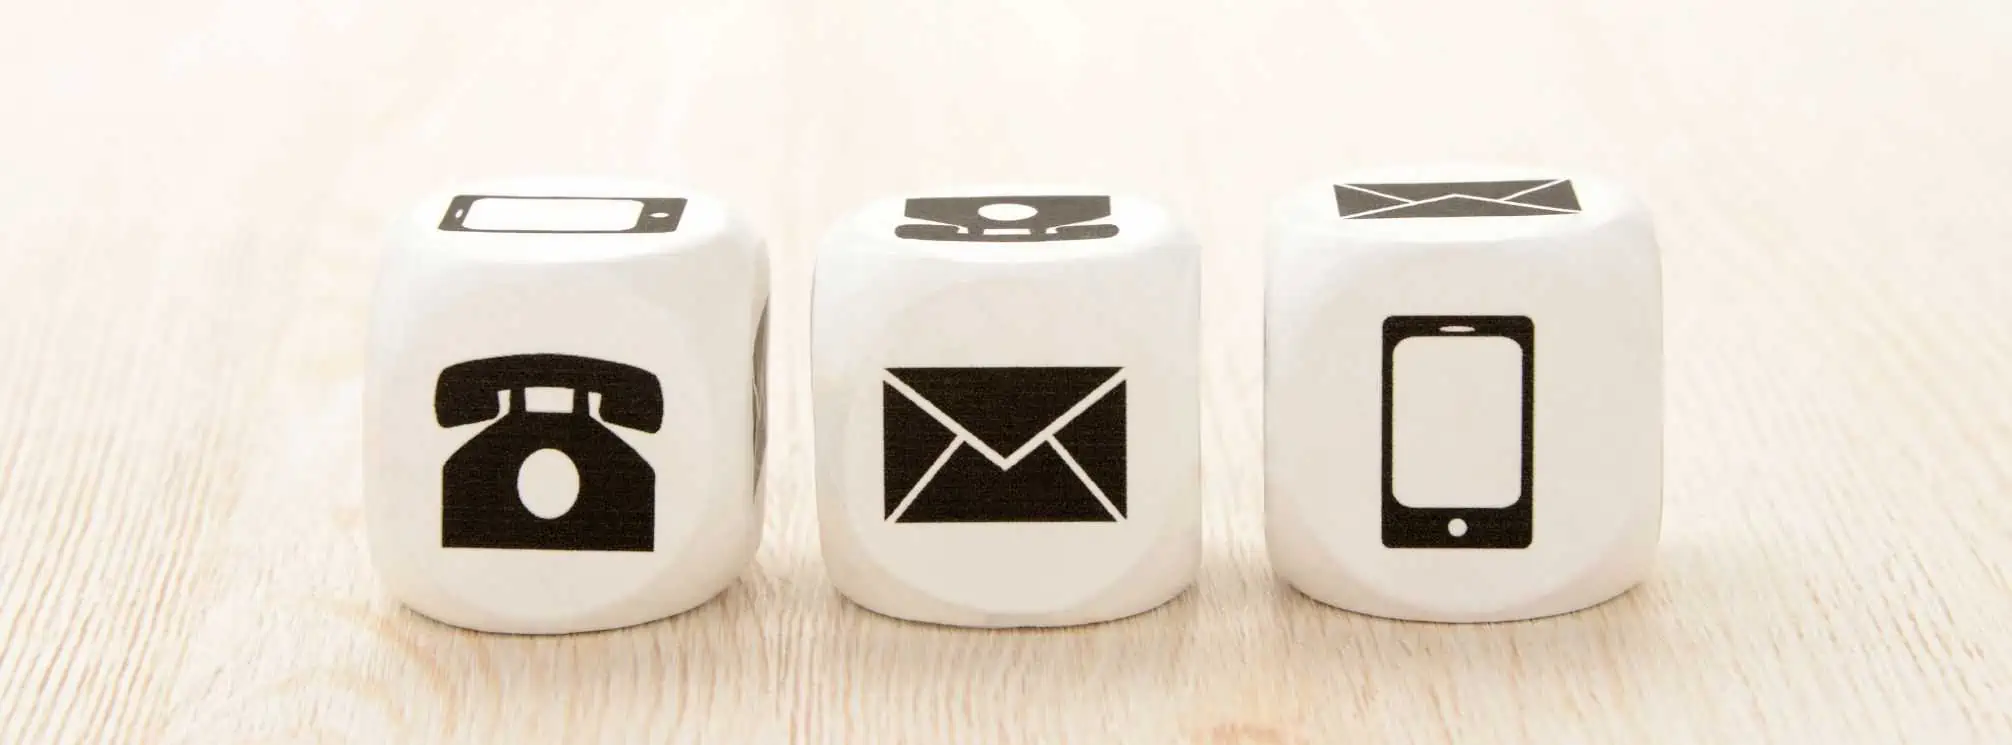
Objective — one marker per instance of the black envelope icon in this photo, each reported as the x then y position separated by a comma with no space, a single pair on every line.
1462,199
1003,444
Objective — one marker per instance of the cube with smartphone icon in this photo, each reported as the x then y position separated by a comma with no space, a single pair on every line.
562,424
1463,392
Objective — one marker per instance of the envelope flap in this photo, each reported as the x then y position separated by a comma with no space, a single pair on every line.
1004,407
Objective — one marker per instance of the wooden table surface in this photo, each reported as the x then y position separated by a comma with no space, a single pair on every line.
193,199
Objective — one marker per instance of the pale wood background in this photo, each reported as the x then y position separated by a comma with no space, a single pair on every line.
193,197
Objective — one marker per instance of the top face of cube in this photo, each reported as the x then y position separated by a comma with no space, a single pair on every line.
1457,204
1009,223
568,219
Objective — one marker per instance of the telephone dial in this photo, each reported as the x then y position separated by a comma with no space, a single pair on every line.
616,506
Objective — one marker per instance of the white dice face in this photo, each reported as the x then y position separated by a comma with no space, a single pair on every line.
561,414
1463,393
1006,406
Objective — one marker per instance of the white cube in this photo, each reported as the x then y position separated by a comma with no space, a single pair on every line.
1006,401
1463,399
562,423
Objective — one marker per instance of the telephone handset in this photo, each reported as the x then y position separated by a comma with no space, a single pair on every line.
615,505
466,392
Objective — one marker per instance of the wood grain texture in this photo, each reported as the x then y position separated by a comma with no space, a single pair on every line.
193,197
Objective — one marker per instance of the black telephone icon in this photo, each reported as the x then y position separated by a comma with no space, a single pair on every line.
1007,219
616,506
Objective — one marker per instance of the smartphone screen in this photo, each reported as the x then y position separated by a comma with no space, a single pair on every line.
516,214
1456,425
569,215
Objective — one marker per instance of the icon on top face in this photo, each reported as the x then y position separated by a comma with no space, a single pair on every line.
1457,199
1007,219
481,213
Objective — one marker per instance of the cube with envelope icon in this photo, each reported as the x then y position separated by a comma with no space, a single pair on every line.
1463,388
1005,400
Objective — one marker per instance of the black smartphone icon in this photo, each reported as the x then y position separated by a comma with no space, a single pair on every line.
491,213
1457,431
615,509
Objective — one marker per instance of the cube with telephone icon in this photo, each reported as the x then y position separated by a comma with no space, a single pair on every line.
562,414
1463,392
